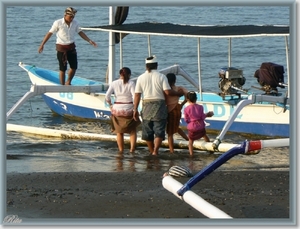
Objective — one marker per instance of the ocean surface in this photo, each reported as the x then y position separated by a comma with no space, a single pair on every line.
25,32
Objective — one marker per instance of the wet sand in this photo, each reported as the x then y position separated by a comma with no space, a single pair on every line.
140,195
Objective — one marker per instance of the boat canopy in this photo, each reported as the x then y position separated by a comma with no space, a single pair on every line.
199,31
193,31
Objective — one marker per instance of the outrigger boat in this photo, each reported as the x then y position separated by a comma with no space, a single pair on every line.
264,114
248,113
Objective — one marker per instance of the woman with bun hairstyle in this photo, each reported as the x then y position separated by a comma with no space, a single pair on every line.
122,109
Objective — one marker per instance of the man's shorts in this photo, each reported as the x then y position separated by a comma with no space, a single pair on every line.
71,58
152,129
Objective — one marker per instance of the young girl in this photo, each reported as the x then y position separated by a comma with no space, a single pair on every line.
194,116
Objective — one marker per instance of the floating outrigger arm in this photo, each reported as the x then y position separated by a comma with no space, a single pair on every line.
41,89
183,191
194,200
178,70
254,98
247,147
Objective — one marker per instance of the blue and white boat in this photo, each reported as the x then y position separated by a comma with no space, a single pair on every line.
268,117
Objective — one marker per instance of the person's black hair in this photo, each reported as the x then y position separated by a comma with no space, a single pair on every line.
151,66
192,96
171,78
125,72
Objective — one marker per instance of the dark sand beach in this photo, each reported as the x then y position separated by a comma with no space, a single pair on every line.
141,195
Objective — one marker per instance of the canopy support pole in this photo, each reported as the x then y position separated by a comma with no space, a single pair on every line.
111,62
229,52
199,71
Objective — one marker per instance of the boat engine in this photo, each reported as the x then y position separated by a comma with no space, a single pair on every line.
270,76
231,82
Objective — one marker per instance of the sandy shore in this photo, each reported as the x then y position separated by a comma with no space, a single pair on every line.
139,195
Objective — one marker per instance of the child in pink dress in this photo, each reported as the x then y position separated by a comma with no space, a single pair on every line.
194,116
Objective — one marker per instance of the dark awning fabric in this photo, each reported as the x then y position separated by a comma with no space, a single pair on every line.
151,28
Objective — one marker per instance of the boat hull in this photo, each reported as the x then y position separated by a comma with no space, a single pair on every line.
241,125
258,119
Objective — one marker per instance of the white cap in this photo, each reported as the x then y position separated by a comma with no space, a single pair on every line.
154,60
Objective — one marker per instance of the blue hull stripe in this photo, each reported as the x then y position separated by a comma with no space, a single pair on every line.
76,111
250,128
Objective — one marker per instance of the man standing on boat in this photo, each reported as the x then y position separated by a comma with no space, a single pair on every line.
66,29
154,86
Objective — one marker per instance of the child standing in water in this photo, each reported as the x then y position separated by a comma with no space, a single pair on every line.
174,112
194,116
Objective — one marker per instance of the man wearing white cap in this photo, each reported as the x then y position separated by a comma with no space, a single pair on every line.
66,29
153,86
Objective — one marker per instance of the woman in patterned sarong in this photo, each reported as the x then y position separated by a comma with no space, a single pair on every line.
122,109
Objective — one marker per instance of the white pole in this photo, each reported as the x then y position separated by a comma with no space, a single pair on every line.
149,46
121,52
111,61
199,70
271,143
229,52
193,199
27,96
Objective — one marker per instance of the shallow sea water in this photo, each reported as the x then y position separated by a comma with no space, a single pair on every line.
44,154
